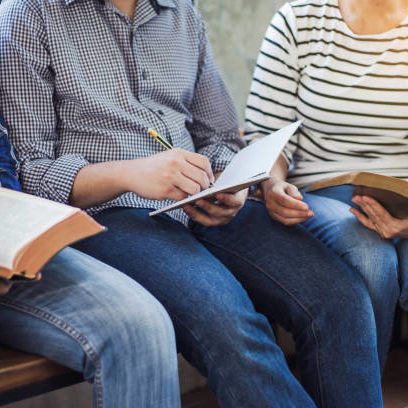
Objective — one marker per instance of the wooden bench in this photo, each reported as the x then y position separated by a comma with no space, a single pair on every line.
25,375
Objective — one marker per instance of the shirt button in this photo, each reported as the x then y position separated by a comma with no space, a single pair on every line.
144,74
160,112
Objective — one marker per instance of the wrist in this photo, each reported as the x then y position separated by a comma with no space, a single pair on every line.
268,184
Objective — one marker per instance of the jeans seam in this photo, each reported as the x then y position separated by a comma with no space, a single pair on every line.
72,332
314,329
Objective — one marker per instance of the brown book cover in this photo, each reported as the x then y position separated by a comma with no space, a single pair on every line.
391,192
33,230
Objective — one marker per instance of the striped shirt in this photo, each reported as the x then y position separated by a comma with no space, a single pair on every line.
351,91
81,83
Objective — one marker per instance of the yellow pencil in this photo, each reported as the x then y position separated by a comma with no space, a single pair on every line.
160,139
164,143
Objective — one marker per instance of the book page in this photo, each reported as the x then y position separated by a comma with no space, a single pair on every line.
23,218
257,158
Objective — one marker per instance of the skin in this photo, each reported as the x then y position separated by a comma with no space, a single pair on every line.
173,174
283,200
6,286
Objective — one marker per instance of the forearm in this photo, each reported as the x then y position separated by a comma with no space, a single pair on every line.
278,173
98,183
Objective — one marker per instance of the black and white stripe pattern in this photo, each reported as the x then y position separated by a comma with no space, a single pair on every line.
350,90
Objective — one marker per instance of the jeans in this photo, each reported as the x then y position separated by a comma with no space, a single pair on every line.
89,317
375,259
206,278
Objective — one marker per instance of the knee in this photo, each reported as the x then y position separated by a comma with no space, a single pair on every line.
373,258
145,327
133,325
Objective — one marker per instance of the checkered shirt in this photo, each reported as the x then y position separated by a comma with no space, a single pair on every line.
81,83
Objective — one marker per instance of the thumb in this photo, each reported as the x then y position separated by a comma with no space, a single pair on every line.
293,192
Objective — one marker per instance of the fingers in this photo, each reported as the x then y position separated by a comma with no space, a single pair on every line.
284,204
201,162
386,225
279,197
363,219
202,218
236,200
216,210
293,191
4,288
289,221
176,194
196,174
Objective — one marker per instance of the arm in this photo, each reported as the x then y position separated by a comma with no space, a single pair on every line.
271,106
27,100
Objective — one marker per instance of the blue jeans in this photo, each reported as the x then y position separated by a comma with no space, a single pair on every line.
206,278
87,316
377,260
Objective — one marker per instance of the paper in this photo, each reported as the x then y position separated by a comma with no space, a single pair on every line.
250,165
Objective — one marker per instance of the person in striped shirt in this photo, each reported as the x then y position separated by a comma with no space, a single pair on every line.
341,66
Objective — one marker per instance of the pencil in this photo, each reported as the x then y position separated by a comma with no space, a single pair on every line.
165,143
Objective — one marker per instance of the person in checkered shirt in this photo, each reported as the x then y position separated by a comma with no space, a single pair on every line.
81,83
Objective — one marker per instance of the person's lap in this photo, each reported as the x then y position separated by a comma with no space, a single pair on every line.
212,314
205,300
84,314
375,259
295,281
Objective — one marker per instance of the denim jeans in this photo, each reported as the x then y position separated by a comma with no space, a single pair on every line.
89,317
206,278
377,260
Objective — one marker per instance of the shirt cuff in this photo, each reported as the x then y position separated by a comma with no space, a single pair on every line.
56,183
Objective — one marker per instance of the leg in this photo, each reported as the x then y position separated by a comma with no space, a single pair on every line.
364,250
95,320
294,280
217,327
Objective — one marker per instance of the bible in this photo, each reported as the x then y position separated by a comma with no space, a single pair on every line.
390,192
33,230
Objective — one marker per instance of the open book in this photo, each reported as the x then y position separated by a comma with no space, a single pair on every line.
33,230
249,166
390,192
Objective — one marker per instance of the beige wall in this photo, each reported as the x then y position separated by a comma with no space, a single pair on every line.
236,29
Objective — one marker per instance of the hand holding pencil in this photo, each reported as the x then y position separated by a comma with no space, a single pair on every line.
173,174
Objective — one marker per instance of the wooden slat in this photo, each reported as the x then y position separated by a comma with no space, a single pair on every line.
19,369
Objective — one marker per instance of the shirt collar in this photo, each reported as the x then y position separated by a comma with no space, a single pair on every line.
155,3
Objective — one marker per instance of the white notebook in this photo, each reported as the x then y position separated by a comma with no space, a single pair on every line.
249,166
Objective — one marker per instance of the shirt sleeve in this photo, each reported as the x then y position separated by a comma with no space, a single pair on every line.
8,162
214,125
272,99
26,101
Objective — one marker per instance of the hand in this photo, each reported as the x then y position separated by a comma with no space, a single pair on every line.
4,287
173,174
378,219
220,213
284,202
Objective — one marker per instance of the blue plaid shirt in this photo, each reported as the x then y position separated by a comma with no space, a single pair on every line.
8,161
82,83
